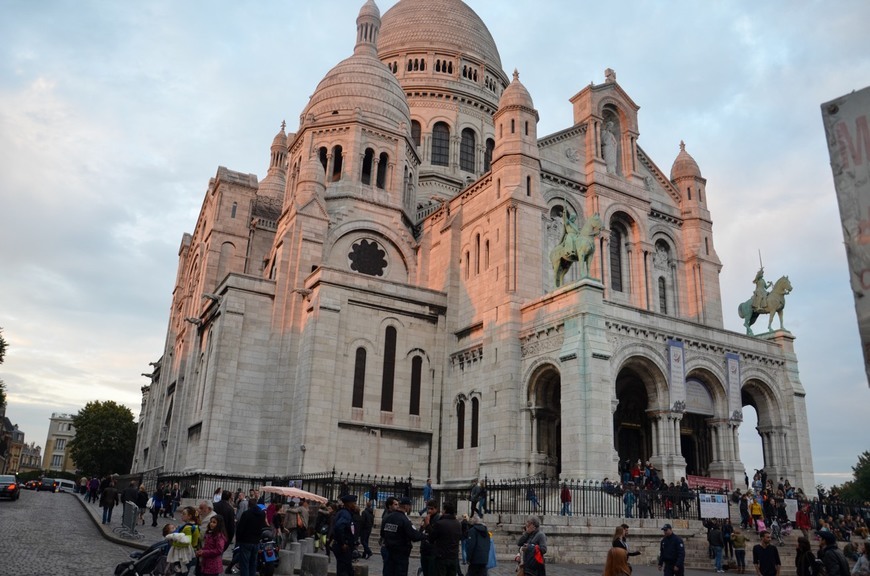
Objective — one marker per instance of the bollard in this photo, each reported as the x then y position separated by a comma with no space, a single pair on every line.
296,551
360,570
285,563
314,565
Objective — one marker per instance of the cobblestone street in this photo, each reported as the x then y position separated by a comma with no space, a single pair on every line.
46,534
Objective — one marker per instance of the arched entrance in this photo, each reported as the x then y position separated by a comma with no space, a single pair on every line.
695,438
770,429
631,425
545,406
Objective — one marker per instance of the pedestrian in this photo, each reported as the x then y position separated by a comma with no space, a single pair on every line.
475,497
616,563
672,553
862,566
620,540
108,500
533,546
398,535
445,536
738,540
142,502
225,510
478,547
205,513
211,554
344,535
427,550
184,541
367,518
765,557
248,530
832,558
805,560
717,542
565,497
428,494
629,499
156,504
532,497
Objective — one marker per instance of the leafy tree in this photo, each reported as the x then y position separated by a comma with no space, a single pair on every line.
105,438
859,487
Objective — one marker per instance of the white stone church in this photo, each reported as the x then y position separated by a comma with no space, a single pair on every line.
383,301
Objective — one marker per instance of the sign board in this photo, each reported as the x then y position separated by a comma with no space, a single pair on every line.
712,484
713,505
847,129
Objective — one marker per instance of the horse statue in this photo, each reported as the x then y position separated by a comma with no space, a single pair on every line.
576,245
773,304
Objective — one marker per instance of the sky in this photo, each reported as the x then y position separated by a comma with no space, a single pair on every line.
114,115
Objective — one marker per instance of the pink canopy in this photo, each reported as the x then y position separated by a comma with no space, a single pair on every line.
291,492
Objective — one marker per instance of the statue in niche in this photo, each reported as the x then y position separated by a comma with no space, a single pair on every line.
576,245
661,259
764,302
608,147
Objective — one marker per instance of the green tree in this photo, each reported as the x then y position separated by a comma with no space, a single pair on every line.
105,438
859,487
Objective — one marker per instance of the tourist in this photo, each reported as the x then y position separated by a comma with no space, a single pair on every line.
108,500
444,535
142,502
862,566
832,558
565,498
532,498
717,542
225,510
206,513
427,550
805,560
367,523
211,555
248,530
478,546
765,557
616,563
738,541
533,546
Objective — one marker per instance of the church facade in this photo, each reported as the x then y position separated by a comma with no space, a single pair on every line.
385,301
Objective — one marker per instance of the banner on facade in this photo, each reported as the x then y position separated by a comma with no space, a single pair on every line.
847,130
713,484
713,505
735,400
677,381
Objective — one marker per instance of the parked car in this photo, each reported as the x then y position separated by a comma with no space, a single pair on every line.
49,484
66,486
9,487
31,485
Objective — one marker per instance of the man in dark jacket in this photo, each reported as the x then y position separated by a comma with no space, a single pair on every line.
130,492
672,553
832,558
477,547
225,510
108,500
427,550
717,541
398,535
367,522
444,536
248,532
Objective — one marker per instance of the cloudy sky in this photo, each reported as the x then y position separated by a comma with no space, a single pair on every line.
114,115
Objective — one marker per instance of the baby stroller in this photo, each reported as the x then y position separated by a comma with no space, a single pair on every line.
152,561
776,531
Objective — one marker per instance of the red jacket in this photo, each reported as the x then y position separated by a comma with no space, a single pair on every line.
211,555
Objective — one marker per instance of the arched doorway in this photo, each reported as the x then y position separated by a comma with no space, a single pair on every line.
631,426
770,429
545,405
695,438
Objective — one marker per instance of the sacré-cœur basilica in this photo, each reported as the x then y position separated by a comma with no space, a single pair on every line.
386,300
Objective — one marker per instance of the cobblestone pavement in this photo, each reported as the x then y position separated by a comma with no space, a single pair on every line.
46,534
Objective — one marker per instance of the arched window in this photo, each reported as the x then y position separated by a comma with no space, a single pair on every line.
528,185
527,127
663,296
475,421
389,370
467,264
383,164
460,425
616,240
486,255
322,154
359,377
441,144
233,211
689,191
336,164
368,160
513,126
415,133
487,155
477,254
706,246
416,376
466,150
410,65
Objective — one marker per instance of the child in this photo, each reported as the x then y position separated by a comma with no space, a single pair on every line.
184,540
211,554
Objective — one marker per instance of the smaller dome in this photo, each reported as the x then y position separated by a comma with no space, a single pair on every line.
280,139
684,165
516,95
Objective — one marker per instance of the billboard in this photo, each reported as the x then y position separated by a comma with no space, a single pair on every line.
847,129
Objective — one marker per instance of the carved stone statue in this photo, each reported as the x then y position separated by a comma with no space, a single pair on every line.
608,147
576,245
772,302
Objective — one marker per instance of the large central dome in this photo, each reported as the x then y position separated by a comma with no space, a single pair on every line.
434,24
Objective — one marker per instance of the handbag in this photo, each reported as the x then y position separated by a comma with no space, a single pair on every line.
492,561
150,503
